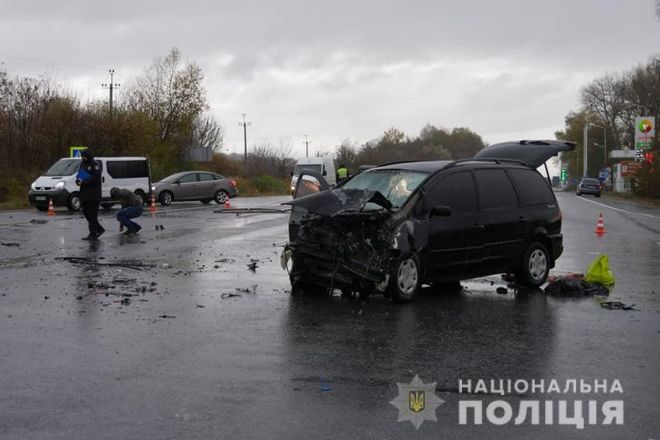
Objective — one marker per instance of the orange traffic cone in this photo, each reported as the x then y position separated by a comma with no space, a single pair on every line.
51,209
227,204
600,225
153,207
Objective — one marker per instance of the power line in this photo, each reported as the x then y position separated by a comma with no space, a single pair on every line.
34,60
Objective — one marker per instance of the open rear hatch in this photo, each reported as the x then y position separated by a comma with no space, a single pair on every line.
532,153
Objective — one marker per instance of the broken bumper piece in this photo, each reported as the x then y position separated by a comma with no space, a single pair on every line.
320,267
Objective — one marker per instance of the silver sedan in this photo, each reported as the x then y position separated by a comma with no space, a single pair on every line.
194,185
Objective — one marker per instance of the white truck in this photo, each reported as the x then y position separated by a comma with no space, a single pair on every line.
322,165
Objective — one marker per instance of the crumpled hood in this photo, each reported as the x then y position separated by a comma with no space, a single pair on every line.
337,201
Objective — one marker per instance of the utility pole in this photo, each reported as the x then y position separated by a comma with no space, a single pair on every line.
585,142
245,125
306,142
111,86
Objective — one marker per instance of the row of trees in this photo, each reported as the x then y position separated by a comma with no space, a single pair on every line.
432,144
163,112
610,105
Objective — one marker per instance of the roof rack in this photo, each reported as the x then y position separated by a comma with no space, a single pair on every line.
404,161
497,161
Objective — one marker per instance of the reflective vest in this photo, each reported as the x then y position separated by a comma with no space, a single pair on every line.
342,173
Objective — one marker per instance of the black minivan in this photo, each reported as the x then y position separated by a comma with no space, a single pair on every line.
393,227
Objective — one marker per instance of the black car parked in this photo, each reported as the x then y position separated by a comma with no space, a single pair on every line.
394,227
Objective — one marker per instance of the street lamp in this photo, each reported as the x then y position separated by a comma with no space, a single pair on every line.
585,143
646,109
605,135
596,144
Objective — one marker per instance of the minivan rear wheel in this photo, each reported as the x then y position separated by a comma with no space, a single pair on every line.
73,203
535,265
405,278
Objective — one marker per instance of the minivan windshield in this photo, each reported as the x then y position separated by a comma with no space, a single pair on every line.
395,185
308,167
64,167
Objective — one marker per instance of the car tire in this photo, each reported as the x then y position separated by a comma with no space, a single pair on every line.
206,201
578,193
107,206
405,278
535,266
73,203
221,196
165,198
42,208
597,196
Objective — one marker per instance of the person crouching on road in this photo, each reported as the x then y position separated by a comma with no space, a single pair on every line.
131,207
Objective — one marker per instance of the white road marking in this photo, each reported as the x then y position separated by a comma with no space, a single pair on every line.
620,209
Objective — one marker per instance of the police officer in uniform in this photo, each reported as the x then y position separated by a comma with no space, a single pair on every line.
90,195
342,173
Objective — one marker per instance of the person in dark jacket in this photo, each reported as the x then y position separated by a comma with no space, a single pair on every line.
89,179
131,207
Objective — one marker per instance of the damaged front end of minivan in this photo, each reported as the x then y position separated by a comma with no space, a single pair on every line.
346,239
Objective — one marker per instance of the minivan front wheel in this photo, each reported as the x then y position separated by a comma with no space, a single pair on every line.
405,278
535,265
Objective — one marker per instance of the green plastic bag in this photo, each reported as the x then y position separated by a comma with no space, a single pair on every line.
599,271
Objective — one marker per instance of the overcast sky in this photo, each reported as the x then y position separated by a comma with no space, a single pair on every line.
345,68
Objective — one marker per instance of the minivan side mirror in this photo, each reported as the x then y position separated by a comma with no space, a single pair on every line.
440,211
291,173
325,173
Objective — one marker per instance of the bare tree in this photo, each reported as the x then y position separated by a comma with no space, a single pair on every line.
346,153
171,93
207,133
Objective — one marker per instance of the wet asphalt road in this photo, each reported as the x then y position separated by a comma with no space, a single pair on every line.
206,348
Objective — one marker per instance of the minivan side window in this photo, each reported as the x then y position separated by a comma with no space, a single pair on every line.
456,191
126,169
495,190
532,187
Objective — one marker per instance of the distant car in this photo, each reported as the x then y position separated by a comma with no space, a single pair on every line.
589,186
194,185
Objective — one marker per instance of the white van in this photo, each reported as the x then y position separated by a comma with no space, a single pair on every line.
322,165
59,182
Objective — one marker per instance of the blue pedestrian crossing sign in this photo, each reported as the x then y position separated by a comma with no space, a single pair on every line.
75,151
